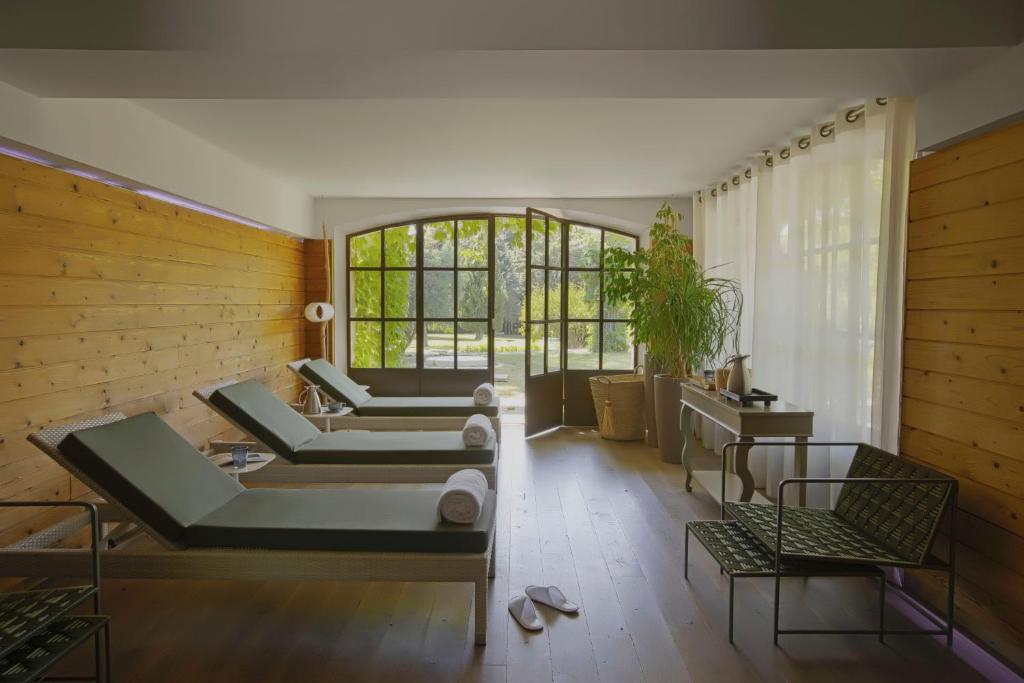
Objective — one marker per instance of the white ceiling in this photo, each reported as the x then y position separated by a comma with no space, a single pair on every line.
490,98
380,73
476,147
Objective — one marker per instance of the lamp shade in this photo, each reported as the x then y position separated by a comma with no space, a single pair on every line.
319,312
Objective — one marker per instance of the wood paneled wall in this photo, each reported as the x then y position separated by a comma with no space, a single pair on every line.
113,301
316,290
963,377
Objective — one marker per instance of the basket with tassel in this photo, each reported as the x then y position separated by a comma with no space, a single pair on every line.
619,405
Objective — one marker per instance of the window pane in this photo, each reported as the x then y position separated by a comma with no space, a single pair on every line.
439,347
439,244
364,250
618,347
472,294
438,294
613,240
537,246
473,244
536,349
365,345
515,224
537,294
400,247
554,347
364,290
400,344
554,243
583,290
554,294
582,346
472,346
620,311
584,247
399,294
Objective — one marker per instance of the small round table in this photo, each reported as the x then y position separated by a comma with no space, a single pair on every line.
236,472
323,420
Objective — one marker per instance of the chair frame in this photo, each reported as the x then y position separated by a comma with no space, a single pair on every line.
944,628
101,640
171,561
794,569
394,423
281,471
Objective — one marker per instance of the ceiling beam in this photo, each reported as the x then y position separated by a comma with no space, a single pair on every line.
326,25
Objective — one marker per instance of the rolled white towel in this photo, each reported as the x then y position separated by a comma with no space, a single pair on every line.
462,498
477,430
483,394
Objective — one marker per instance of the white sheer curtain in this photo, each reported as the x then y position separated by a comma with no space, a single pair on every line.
730,224
821,270
727,231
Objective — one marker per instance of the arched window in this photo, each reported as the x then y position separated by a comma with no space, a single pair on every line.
440,304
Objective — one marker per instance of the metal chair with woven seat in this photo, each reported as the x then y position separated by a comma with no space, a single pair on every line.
887,514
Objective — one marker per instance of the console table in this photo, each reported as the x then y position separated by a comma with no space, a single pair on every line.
780,419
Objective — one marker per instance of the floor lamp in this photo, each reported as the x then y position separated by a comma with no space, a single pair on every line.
320,312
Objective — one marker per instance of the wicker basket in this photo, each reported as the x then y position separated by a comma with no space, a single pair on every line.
619,404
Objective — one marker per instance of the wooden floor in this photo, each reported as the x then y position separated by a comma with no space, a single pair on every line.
603,521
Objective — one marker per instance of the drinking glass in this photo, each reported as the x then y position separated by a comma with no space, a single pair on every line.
240,456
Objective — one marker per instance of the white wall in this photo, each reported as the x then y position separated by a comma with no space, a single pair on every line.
121,138
973,101
343,216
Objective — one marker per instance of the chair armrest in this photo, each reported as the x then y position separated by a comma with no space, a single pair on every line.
94,518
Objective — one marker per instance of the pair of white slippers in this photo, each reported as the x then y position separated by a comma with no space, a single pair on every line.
524,611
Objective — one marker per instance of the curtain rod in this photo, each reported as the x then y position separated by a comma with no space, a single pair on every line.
824,130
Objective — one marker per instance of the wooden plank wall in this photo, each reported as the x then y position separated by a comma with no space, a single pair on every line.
963,381
316,290
111,300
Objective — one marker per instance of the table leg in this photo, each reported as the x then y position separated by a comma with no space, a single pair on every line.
689,442
800,467
743,469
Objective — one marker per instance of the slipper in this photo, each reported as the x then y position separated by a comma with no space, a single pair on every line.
522,609
552,597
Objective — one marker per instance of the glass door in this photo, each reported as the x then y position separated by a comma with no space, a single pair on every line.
597,334
545,242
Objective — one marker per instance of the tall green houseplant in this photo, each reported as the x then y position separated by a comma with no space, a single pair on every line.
685,317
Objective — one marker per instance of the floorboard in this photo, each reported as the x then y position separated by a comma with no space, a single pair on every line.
602,520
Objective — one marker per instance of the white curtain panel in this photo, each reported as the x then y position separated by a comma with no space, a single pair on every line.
816,239
888,372
730,229
729,235
817,282
698,226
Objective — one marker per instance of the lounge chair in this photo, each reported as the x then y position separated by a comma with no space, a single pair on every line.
887,514
207,525
306,455
391,412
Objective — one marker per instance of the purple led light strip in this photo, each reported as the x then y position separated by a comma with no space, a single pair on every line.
26,154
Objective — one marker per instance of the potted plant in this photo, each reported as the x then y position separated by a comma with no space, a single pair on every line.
681,314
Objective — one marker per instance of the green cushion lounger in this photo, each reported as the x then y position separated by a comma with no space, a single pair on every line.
213,527
310,456
391,412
